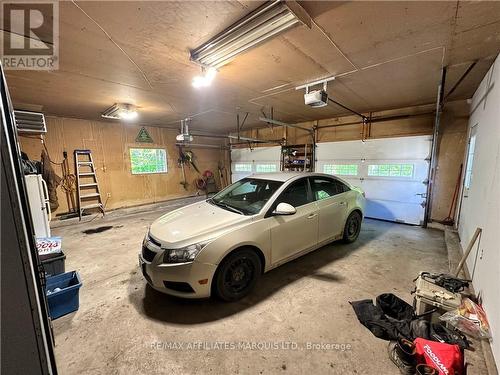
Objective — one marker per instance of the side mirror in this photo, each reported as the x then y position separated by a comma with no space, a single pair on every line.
284,209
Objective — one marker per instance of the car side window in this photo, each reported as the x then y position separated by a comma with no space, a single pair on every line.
323,188
297,194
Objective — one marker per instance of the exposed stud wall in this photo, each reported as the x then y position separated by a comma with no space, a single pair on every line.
110,143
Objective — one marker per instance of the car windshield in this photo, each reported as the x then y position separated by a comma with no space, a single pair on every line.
247,196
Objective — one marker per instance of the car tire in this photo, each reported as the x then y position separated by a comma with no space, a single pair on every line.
237,275
352,227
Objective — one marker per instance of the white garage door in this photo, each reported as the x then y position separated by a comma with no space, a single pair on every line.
391,171
245,162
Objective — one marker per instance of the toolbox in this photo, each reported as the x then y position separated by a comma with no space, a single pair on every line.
429,294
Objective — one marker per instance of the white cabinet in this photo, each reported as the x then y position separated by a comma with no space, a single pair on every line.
38,198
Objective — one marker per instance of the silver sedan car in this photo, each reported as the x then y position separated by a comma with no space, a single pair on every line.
222,245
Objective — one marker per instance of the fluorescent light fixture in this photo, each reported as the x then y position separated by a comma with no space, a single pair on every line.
205,79
265,22
121,111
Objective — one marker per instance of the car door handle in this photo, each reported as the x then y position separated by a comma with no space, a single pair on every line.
342,203
312,216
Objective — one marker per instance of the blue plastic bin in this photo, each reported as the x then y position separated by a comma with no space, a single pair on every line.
66,299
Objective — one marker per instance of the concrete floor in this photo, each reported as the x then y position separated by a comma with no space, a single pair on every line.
125,327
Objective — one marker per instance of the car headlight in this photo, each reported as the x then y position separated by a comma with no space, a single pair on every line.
183,255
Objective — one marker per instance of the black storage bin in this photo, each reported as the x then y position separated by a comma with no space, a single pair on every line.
53,264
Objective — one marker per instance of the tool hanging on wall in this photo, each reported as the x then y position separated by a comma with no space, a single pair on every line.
181,161
189,156
87,180
68,184
52,180
186,158
206,183
222,175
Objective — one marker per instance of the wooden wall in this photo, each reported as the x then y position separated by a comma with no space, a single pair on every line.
110,143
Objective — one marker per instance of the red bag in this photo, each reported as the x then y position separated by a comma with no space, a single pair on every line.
446,358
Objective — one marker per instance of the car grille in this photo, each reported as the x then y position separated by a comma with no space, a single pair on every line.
178,286
147,254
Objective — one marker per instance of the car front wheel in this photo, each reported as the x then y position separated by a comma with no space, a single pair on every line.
237,274
352,227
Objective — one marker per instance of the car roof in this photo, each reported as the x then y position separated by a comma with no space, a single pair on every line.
284,176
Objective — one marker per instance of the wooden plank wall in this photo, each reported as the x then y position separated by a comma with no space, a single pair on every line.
110,143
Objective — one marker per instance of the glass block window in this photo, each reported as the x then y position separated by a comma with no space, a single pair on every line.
243,167
391,170
266,168
148,160
341,169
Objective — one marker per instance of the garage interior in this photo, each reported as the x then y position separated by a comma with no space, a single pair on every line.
409,117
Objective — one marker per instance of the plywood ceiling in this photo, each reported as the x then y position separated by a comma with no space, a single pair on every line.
385,55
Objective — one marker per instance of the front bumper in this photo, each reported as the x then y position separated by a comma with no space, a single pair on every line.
163,277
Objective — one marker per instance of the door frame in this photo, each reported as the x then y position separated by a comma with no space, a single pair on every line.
473,131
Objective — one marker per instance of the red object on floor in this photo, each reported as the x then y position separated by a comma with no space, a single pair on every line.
446,358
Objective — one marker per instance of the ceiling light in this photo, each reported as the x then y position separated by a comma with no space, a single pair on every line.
129,115
205,79
262,24
121,111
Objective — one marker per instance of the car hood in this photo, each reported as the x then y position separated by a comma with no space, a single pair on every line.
194,223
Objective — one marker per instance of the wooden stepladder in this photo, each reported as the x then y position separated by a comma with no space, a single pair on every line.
88,193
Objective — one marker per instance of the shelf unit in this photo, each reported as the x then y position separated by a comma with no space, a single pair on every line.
297,158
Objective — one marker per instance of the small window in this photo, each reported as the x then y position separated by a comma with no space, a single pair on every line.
265,168
243,167
341,169
148,160
470,161
325,188
391,170
296,194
